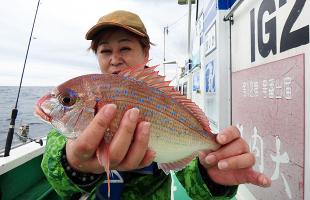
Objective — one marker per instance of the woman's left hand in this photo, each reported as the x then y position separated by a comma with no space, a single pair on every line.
232,164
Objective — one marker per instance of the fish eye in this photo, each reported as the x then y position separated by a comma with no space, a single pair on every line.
67,97
67,100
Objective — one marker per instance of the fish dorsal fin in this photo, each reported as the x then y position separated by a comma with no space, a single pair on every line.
154,80
131,71
146,72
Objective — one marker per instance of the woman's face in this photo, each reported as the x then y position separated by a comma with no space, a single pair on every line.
118,49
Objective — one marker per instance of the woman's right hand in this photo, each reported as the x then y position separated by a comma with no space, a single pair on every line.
128,148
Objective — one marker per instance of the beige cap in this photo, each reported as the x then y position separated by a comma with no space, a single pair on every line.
120,18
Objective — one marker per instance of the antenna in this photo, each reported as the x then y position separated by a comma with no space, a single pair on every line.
15,110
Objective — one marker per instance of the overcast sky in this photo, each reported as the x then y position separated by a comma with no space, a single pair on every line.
59,50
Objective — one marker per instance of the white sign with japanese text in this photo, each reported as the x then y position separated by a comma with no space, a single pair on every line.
268,103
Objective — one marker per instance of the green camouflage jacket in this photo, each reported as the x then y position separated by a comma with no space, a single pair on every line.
155,186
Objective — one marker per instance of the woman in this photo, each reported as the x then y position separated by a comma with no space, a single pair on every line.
119,39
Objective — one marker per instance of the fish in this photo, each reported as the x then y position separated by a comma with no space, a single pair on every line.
179,128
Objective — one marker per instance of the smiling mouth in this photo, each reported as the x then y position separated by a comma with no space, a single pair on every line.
116,72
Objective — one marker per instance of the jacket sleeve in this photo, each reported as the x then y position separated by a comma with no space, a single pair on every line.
53,169
192,181
158,185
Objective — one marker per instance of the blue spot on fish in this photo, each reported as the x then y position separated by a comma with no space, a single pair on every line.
156,91
158,106
126,92
133,93
165,120
203,132
172,129
66,108
93,77
71,92
149,113
149,98
166,107
117,91
182,119
141,100
173,113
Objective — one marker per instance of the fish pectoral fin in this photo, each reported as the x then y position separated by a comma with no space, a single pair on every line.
176,165
103,157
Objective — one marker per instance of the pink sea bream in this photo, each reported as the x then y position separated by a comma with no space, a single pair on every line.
179,128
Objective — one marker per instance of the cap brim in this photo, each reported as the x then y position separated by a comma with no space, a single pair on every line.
101,26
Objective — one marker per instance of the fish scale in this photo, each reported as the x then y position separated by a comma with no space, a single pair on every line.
159,99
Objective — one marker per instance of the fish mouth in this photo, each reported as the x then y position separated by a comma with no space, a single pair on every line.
40,112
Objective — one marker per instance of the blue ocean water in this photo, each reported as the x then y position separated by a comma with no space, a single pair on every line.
28,97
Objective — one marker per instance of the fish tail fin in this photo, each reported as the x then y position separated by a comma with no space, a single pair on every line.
103,157
178,164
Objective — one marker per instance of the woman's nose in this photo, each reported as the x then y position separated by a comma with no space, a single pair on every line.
116,59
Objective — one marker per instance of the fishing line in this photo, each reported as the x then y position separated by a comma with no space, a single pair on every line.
15,110
176,21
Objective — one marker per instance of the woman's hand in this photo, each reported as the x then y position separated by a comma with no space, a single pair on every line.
128,148
232,163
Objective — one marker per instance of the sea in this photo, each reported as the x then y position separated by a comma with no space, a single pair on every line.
26,104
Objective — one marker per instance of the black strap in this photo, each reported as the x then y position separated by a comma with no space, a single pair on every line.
84,180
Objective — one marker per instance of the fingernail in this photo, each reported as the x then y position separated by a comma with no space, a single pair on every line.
210,159
134,114
265,181
222,165
222,138
146,127
109,108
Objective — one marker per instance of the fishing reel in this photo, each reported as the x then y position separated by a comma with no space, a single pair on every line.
23,135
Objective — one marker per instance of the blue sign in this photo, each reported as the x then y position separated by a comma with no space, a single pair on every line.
210,77
225,4
210,12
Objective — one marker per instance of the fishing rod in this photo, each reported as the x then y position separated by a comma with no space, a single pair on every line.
15,110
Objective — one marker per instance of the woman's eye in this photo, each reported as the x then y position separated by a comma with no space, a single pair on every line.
105,51
125,49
